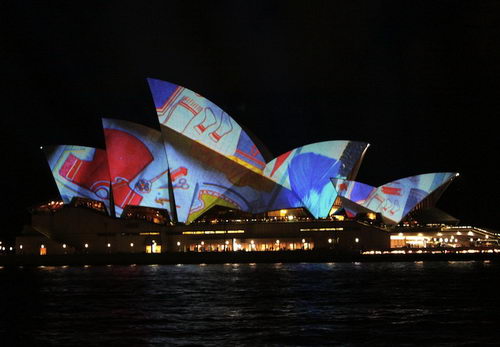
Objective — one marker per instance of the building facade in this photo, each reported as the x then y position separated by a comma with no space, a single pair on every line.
153,191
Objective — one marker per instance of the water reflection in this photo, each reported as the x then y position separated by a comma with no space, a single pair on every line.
252,304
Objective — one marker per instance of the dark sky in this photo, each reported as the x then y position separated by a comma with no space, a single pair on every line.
419,80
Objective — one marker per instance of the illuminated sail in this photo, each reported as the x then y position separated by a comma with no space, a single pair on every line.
199,119
137,165
80,172
305,173
206,147
222,166
393,200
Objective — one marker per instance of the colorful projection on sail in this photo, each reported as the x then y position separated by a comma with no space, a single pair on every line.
202,178
80,172
199,119
393,200
306,172
196,130
208,178
212,161
222,166
137,165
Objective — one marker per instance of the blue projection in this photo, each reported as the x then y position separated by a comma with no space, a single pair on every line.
223,166
203,158
393,200
306,172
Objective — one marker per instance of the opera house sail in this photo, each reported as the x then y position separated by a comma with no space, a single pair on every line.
202,158
218,164
199,182
80,172
137,165
393,200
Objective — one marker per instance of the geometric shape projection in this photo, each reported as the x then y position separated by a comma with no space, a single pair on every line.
202,178
207,150
138,165
199,119
220,165
393,200
79,172
306,172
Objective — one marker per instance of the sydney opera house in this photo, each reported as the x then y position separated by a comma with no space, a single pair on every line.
202,184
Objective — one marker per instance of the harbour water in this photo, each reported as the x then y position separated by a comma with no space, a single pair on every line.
383,303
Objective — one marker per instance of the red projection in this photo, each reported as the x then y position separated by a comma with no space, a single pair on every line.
90,174
128,156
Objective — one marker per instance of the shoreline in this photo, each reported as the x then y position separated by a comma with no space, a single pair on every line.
173,258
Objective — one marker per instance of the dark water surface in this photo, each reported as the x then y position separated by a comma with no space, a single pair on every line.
431,303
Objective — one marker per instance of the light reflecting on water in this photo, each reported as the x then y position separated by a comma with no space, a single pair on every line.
252,304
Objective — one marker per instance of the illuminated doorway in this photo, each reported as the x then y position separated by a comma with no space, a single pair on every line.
153,248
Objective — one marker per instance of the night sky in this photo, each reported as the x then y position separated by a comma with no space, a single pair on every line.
418,80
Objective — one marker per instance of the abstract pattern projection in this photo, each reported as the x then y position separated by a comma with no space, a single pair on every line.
80,172
392,200
212,161
220,165
197,118
210,150
306,172
137,165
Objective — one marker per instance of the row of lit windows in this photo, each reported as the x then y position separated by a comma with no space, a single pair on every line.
206,232
155,248
401,235
420,251
86,245
322,229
